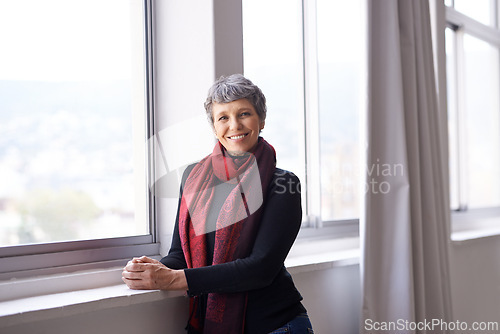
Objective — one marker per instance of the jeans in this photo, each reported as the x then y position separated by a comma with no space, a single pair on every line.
298,325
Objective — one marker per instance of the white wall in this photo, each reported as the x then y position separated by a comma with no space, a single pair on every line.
184,60
332,298
166,316
475,280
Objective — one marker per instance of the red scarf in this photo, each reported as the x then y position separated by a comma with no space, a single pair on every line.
236,226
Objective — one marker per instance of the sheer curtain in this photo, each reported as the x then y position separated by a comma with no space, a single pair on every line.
405,228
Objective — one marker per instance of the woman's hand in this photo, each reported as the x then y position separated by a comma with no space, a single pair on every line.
145,273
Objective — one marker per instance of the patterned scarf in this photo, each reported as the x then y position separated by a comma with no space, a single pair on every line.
235,229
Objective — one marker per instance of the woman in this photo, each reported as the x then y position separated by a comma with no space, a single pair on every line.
237,218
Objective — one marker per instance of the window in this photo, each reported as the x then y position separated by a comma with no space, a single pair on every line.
273,61
473,76
482,11
73,126
310,67
340,59
473,80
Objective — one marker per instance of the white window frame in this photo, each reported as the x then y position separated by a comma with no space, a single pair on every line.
465,220
24,261
314,225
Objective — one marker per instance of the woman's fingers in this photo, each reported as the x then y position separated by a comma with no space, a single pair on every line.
138,284
137,266
137,280
145,273
140,271
133,275
146,259
135,260
143,259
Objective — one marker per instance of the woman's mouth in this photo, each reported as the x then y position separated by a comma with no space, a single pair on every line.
238,136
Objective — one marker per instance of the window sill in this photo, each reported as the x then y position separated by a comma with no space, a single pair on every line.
306,255
475,224
313,254
476,233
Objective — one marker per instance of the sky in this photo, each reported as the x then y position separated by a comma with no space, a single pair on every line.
61,40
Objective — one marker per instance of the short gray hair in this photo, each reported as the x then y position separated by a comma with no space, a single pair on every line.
234,87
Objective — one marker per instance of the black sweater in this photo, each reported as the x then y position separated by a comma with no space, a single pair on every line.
273,299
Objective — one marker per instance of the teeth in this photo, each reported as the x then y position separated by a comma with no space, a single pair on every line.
237,137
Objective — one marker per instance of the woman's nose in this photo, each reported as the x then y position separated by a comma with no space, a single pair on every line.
234,123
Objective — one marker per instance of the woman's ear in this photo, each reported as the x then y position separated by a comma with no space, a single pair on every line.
262,124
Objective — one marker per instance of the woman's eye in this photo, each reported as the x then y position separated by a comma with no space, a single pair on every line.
245,113
222,118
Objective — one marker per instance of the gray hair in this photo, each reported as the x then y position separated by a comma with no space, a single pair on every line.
234,87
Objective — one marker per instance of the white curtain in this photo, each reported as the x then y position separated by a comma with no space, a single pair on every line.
405,228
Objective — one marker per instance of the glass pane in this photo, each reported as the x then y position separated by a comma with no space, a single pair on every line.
480,10
273,61
341,57
482,119
71,83
452,117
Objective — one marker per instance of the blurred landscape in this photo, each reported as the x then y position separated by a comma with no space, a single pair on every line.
66,161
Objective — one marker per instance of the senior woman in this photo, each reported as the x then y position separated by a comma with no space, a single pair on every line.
237,218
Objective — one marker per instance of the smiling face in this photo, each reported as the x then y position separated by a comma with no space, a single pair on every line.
237,125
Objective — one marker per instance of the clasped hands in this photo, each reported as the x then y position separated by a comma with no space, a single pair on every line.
145,273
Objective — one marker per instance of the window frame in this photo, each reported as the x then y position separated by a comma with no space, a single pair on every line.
23,261
314,226
464,218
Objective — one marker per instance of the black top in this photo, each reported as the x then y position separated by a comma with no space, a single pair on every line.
273,299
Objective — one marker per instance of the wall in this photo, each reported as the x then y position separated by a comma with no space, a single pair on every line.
331,297
165,316
184,70
475,280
